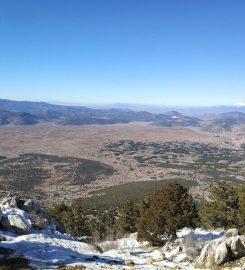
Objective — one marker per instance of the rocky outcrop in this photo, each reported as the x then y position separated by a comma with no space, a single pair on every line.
222,250
17,224
25,216
232,232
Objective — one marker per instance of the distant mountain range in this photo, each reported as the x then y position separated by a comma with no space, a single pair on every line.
187,110
224,121
32,113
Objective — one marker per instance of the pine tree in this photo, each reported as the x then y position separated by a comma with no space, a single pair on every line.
164,212
222,208
241,209
129,215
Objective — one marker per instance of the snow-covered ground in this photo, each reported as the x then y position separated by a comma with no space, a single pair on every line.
48,249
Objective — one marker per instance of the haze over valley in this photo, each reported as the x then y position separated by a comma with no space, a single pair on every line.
53,152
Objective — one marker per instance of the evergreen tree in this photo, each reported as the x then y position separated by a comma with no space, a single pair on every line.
129,215
222,208
165,211
241,209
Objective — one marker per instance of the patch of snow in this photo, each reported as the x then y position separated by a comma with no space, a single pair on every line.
199,233
48,249
130,242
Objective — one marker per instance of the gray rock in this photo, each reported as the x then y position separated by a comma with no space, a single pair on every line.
30,205
220,251
232,232
97,248
237,248
15,224
2,238
10,200
129,263
157,256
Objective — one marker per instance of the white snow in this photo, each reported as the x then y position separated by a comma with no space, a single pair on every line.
200,233
47,250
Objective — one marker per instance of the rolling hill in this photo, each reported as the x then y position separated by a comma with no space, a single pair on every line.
31,113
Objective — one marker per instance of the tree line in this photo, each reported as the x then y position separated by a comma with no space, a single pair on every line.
159,215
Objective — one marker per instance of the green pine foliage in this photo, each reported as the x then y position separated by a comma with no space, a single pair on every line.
165,211
128,219
241,209
158,216
221,210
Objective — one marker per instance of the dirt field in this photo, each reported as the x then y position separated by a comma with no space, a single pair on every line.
90,142
85,141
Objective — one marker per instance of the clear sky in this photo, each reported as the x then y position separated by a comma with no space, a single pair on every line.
172,52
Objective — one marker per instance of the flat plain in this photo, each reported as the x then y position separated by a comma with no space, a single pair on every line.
116,154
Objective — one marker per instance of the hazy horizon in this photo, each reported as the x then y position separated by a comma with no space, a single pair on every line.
140,52
105,104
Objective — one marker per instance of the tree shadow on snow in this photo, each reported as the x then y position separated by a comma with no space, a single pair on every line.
44,255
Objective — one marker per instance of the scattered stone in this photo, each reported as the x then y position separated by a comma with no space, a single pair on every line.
174,252
10,200
85,239
182,258
232,232
149,261
76,267
2,238
157,256
98,248
129,263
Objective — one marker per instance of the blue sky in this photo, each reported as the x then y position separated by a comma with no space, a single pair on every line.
172,52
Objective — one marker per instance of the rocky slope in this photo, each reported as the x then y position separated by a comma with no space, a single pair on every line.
30,240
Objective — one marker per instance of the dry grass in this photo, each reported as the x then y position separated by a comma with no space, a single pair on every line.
86,142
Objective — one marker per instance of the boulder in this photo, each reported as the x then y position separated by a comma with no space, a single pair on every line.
174,252
2,238
98,248
237,248
232,232
221,253
129,263
40,219
157,256
16,224
10,200
221,250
